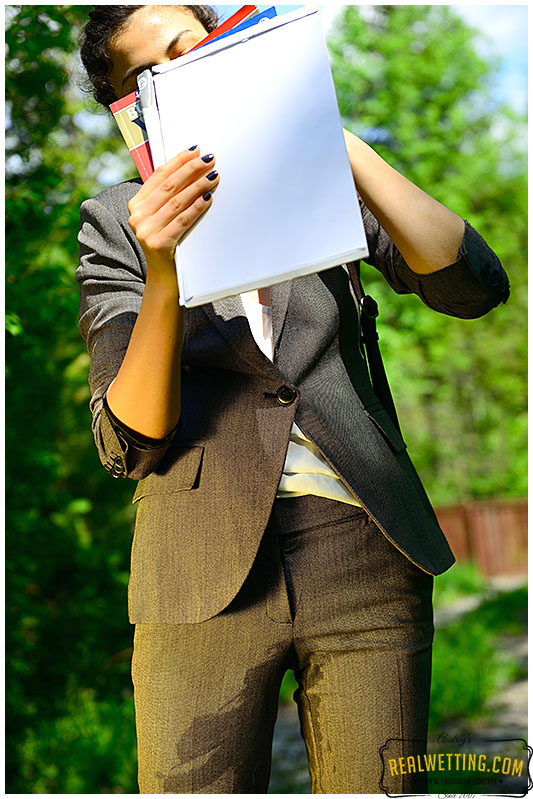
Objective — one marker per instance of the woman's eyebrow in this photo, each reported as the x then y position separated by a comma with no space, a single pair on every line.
134,70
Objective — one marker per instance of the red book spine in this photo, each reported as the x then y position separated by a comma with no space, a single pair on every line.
142,158
126,113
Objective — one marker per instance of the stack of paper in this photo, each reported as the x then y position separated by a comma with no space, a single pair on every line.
262,99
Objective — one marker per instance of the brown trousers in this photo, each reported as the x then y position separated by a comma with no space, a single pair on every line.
328,596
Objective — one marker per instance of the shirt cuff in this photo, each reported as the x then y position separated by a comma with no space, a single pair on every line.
137,439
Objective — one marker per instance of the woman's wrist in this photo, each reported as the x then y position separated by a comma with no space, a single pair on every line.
163,279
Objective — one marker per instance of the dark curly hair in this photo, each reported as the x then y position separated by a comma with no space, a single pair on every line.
104,23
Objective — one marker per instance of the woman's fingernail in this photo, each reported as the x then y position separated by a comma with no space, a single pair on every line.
194,147
207,196
212,175
208,158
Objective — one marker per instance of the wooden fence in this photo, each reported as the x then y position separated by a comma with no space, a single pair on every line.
491,533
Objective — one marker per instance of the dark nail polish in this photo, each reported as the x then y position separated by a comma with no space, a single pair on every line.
208,158
194,147
212,175
207,196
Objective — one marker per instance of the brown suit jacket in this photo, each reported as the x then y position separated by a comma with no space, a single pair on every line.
204,496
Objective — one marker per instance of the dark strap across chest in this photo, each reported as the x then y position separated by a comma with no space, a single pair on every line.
368,312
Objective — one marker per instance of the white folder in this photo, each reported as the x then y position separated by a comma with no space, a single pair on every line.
263,101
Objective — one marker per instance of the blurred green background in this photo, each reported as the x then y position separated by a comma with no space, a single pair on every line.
411,83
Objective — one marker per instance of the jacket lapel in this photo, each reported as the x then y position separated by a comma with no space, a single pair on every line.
230,320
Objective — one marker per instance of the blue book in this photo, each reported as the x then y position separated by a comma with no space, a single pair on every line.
270,13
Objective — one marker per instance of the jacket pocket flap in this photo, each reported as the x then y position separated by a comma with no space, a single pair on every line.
386,426
179,475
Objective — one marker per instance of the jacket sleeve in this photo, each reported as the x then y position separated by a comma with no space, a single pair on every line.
467,289
111,275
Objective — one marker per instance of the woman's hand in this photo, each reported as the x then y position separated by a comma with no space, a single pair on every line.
169,203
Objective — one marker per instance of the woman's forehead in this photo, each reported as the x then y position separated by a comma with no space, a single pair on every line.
150,26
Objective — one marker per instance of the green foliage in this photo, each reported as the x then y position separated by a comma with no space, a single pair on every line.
89,749
67,525
288,686
409,82
505,614
468,665
463,580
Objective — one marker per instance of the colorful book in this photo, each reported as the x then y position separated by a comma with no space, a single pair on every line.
253,20
127,113
242,14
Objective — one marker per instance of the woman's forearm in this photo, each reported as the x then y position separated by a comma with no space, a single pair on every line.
145,394
427,234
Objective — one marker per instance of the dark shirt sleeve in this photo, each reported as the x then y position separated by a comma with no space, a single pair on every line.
470,287
132,437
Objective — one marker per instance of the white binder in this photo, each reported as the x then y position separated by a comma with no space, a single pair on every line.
263,101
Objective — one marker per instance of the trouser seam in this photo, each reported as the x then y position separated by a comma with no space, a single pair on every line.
315,742
398,676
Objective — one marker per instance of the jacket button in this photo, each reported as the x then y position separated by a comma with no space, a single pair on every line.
285,395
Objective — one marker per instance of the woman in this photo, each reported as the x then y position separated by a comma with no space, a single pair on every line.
281,523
